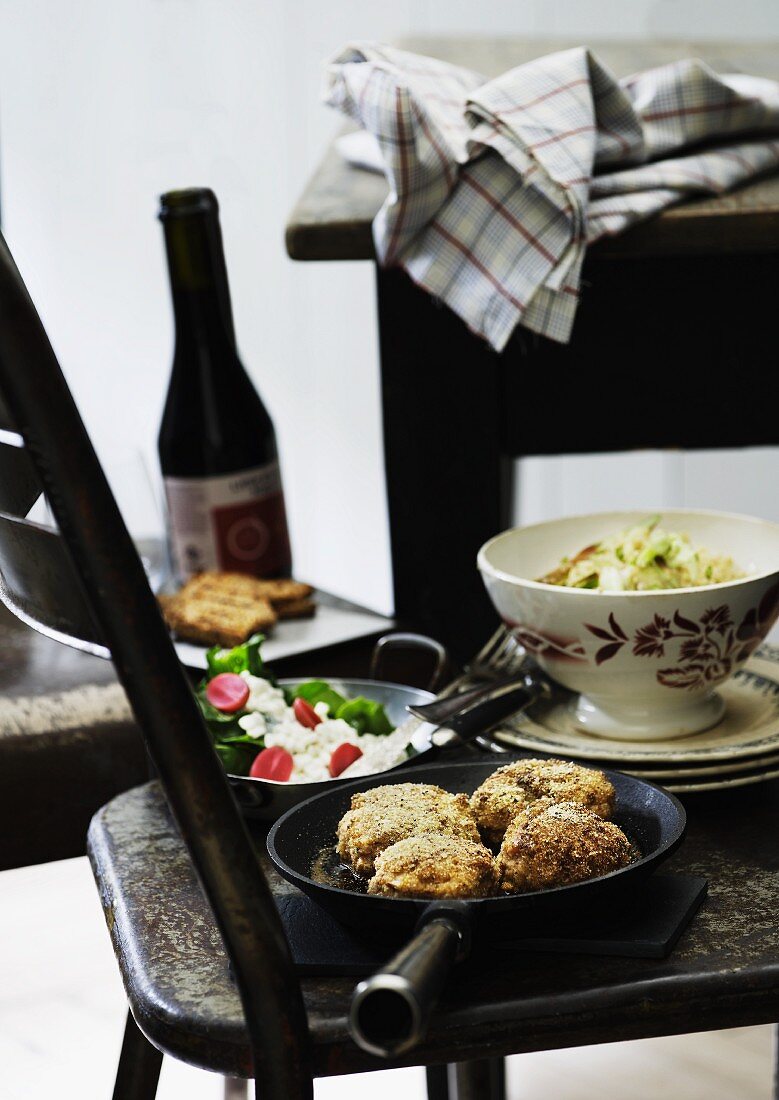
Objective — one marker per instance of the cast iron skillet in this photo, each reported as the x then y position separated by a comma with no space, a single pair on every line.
390,1010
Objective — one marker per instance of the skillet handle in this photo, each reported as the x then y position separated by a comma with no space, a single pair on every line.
390,1010
405,640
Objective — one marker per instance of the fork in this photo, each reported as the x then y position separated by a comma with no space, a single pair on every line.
505,671
501,657
509,679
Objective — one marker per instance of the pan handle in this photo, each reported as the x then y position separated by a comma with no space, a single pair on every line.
390,1010
406,640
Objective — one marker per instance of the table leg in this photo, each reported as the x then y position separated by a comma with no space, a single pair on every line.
448,480
484,1079
437,1082
139,1066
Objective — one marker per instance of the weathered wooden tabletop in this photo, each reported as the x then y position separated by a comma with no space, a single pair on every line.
723,973
332,219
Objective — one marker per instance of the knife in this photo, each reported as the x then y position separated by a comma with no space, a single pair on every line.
475,712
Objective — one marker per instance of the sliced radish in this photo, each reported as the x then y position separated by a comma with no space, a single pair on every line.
305,713
273,763
342,757
227,692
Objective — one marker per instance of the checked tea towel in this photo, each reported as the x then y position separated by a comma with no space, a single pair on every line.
496,187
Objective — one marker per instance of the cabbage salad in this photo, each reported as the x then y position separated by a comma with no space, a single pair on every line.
641,559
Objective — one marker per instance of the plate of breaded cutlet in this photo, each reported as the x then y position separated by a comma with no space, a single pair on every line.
224,609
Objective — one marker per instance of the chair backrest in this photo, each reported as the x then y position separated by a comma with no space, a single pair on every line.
19,484
86,585
39,584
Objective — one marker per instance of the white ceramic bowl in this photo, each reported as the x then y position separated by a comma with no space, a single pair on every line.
645,663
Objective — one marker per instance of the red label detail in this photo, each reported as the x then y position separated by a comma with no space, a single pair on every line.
252,537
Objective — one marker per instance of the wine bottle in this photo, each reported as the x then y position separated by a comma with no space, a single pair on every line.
217,444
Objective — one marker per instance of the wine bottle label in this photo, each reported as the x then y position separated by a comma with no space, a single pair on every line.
233,522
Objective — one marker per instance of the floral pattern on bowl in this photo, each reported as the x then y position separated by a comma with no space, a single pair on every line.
711,646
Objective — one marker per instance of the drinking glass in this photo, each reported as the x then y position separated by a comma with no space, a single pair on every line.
138,494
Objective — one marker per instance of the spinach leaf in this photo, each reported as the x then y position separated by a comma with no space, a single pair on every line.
242,738
254,661
237,759
366,716
242,658
221,726
319,691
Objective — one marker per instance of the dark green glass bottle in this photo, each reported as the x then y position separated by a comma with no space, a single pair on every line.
217,443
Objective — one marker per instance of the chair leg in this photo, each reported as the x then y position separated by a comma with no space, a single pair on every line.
139,1066
484,1079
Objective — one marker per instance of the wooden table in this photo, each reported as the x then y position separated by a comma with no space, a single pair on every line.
676,318
332,219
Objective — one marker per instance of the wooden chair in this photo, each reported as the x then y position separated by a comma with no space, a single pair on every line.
88,588
84,585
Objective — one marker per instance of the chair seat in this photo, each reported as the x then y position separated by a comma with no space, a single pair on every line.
723,973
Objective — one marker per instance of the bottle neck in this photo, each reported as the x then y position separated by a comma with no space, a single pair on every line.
198,279
201,332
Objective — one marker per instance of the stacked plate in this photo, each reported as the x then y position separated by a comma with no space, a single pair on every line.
743,748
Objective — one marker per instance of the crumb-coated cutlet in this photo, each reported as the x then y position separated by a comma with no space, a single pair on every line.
553,843
384,815
434,867
510,789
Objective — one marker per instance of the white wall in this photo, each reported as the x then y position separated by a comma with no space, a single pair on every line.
103,106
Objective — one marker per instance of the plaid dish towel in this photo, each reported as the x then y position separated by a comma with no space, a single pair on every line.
496,187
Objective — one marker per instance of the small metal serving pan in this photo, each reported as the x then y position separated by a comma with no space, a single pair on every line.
267,800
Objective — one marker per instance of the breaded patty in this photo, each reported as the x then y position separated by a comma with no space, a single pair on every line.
510,789
558,843
435,867
382,816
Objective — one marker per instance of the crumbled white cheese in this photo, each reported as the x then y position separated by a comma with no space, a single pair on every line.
311,749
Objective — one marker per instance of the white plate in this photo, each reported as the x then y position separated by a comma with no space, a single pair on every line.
722,784
743,749
693,774
691,780
748,729
330,625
